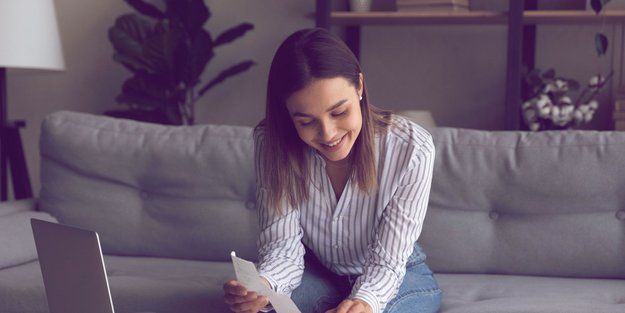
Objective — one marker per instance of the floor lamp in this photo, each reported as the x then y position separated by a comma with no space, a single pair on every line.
29,39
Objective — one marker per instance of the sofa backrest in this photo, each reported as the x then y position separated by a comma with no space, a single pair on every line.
547,203
151,190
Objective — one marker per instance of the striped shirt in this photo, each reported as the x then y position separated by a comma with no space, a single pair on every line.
370,236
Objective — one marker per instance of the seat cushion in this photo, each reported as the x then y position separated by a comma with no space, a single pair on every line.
167,285
17,244
137,285
470,293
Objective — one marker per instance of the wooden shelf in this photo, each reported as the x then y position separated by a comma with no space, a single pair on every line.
473,17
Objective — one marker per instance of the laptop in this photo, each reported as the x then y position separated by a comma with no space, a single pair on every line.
73,268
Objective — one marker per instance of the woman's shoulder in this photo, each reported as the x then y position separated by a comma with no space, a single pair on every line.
406,132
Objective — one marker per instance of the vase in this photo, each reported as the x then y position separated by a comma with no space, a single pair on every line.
360,5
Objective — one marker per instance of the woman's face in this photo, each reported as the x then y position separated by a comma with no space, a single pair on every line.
327,116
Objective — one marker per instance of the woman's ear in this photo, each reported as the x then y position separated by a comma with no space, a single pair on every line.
361,83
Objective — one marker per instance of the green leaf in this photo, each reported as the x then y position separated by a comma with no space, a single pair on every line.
573,84
131,63
231,71
145,91
535,81
146,8
173,115
128,34
200,53
601,44
160,47
192,13
233,33
598,5
549,74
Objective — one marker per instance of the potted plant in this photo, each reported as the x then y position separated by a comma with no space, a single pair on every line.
167,49
546,102
548,106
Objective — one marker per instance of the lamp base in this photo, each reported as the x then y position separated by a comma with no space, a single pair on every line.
12,154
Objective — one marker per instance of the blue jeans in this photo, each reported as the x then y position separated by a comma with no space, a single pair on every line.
323,290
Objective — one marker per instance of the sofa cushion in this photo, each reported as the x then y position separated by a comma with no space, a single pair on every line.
547,203
137,285
151,190
10,207
17,244
524,294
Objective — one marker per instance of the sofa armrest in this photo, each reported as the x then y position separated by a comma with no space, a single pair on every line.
10,207
16,236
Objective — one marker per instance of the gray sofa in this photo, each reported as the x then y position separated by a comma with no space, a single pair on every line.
518,222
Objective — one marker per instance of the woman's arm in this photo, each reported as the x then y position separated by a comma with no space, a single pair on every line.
280,249
281,252
398,231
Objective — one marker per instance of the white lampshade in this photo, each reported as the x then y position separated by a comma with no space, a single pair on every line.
29,35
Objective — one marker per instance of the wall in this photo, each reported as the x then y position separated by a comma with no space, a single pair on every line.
457,72
92,80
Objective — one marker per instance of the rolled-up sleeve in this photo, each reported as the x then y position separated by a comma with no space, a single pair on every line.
397,232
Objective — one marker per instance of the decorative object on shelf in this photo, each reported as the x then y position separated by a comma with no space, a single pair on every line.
547,105
30,40
432,5
360,5
167,51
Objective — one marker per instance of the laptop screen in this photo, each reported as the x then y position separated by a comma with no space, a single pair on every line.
73,269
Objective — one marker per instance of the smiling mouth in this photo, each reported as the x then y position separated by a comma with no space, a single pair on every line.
334,143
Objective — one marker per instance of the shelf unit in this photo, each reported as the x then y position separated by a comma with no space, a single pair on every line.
520,23
472,18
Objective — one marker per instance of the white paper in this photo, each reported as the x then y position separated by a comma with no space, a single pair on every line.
248,276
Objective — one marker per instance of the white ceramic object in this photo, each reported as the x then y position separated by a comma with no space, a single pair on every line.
360,5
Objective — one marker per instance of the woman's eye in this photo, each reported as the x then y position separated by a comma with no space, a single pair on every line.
338,113
305,123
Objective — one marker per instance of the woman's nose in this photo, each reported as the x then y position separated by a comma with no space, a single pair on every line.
326,131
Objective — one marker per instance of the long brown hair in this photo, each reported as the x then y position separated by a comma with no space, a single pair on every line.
304,56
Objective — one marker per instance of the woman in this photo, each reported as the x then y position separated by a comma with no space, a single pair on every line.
342,190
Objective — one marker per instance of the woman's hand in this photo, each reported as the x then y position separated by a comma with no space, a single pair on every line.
352,306
241,300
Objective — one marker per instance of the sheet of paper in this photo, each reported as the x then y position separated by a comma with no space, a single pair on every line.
248,276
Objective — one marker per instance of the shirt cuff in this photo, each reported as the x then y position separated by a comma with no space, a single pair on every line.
368,297
267,308
272,282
